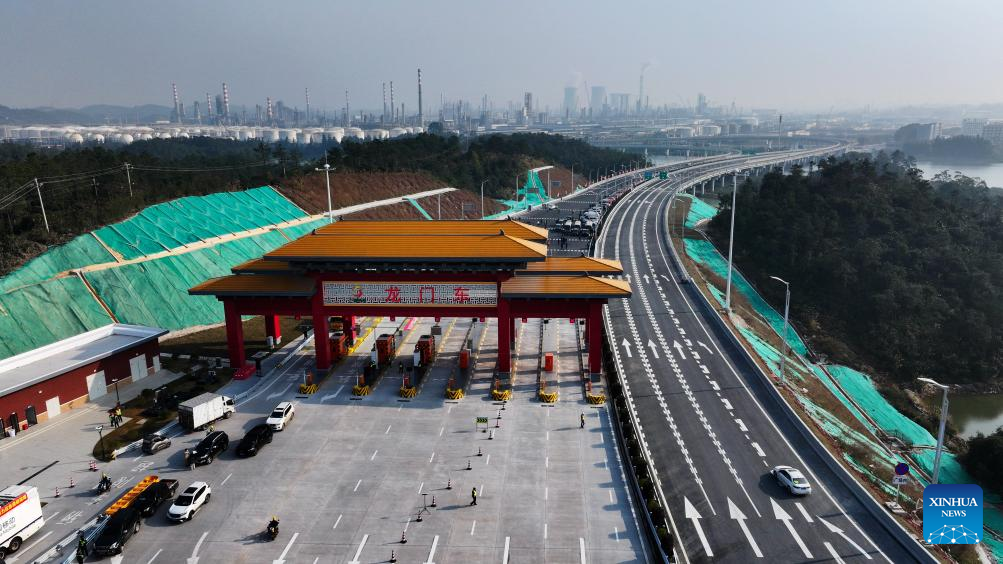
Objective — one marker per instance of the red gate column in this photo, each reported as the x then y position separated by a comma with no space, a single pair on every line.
321,336
511,330
234,334
594,325
273,329
504,337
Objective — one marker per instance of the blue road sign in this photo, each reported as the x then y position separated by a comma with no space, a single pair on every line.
901,469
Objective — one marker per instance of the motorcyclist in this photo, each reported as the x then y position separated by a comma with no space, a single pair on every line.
105,483
273,527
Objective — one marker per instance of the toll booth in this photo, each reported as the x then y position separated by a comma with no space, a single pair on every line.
339,346
425,350
386,347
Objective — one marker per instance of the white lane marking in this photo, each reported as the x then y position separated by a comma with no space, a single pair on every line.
472,527
781,515
51,517
407,524
420,486
487,460
548,435
546,493
441,429
727,404
736,514
431,552
691,513
759,451
834,529
431,458
505,554
154,557
832,551
388,429
357,484
30,546
334,395
282,557
336,522
480,491
223,483
741,426
616,533
374,454
359,551
581,548
714,385
610,495
705,347
284,390
195,551
544,531
546,461
804,513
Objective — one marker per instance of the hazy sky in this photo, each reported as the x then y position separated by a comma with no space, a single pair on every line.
791,54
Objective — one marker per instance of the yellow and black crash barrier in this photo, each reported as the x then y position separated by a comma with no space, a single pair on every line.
408,391
501,395
358,390
308,388
547,397
596,399
454,394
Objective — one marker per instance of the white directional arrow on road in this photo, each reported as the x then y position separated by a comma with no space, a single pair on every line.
626,345
331,396
117,559
654,349
679,349
782,515
834,529
195,551
736,514
705,347
628,278
646,281
692,514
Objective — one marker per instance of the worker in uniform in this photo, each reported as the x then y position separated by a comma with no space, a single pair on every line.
473,496
582,420
81,548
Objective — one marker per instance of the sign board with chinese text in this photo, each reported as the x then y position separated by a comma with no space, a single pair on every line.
410,293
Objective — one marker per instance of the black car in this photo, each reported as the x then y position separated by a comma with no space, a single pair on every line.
257,437
150,499
155,442
118,529
210,447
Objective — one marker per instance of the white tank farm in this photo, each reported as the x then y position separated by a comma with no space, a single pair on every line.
335,134
289,135
397,132
355,133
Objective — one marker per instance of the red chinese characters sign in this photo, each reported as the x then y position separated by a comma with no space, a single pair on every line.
410,293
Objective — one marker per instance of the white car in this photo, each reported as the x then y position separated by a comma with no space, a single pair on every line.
281,415
792,480
189,502
551,207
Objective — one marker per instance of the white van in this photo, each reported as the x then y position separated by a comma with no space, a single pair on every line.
20,517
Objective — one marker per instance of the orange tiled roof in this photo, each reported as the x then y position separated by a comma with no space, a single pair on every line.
443,227
564,287
261,266
253,285
410,248
574,265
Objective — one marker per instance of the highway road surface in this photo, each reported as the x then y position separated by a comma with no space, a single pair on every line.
712,430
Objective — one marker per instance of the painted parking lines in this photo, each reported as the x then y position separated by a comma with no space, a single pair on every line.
337,521
431,551
505,553
358,552
282,557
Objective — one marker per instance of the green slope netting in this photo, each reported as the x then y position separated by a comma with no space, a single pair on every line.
195,218
418,207
699,211
532,193
155,292
44,313
79,252
296,231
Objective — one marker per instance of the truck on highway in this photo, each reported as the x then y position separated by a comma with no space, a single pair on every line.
202,410
20,517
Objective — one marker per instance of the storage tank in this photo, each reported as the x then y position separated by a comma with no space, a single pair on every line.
288,135
335,134
304,137
270,135
397,132
710,130
377,134
355,133
126,138
145,136
417,130
97,138
75,138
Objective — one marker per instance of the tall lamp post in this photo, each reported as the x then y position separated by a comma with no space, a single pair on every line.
118,399
101,440
940,432
482,198
327,179
731,241
787,307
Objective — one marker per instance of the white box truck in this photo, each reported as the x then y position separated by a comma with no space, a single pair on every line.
202,410
20,517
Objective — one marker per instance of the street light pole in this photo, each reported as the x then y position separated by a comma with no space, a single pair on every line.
482,199
118,399
327,179
787,306
731,242
104,455
940,432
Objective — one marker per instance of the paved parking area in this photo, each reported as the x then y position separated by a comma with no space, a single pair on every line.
346,477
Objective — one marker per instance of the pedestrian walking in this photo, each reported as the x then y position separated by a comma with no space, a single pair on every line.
188,455
582,421
113,421
118,413
473,496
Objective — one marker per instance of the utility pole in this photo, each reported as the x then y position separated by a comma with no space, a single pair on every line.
439,204
784,347
327,179
128,178
38,189
731,242
940,432
482,199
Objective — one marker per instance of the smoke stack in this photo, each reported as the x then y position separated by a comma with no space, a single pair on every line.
421,118
393,108
384,119
177,105
208,105
268,109
226,102
307,104
348,111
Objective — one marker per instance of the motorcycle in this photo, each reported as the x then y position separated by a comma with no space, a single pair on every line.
104,485
273,529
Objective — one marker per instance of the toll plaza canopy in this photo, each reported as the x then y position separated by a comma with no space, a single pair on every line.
496,268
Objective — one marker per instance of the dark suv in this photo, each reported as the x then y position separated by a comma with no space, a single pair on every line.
157,493
257,437
211,446
118,529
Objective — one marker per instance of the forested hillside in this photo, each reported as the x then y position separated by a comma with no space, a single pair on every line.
888,272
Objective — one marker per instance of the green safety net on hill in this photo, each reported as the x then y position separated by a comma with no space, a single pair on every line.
196,218
155,292
294,232
531,193
79,252
699,211
40,314
418,207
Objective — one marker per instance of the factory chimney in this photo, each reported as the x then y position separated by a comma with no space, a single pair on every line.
307,104
393,108
268,109
383,119
177,104
421,118
208,106
226,102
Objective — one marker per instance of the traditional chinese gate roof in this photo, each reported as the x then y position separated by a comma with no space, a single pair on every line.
551,287
246,285
443,227
573,265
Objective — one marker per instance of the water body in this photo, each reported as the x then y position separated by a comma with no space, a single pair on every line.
991,173
974,413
